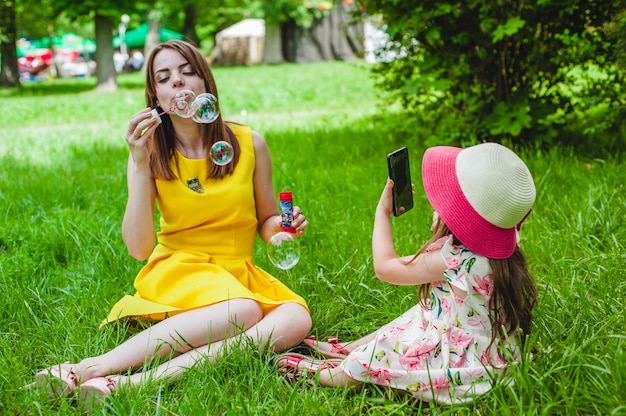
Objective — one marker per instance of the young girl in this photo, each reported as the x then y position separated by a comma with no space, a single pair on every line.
476,292
200,281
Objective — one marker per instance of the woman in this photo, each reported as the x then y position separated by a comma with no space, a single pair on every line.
200,282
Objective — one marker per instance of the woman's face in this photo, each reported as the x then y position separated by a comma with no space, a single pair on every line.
172,73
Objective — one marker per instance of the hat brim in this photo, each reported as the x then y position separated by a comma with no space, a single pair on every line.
444,193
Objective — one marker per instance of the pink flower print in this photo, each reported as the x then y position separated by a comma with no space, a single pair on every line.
437,245
417,355
458,300
420,347
458,360
424,387
484,358
445,306
460,339
413,363
494,361
473,374
478,321
441,383
484,285
380,376
498,362
452,263
396,331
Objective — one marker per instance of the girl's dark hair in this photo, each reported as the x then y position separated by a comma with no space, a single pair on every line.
164,136
513,297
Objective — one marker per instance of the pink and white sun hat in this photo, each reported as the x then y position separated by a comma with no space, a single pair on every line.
482,193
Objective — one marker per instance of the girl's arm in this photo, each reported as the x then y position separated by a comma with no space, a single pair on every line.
426,268
267,211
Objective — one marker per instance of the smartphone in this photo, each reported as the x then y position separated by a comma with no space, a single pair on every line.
400,173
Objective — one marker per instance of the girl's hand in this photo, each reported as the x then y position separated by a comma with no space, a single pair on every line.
385,204
140,136
299,221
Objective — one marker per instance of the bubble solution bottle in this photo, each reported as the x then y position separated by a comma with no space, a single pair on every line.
283,248
286,212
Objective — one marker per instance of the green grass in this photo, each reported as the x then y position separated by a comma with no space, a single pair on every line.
63,263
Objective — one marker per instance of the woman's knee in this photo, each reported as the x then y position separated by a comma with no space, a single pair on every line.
245,312
298,320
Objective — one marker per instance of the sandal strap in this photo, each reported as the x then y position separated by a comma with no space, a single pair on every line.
336,347
300,366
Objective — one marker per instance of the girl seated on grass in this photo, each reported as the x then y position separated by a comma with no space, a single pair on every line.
476,292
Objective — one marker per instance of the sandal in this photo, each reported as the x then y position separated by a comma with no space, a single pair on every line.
294,367
94,391
337,350
57,380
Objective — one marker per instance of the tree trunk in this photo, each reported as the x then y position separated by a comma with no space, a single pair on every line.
105,67
189,26
273,50
333,37
9,73
153,38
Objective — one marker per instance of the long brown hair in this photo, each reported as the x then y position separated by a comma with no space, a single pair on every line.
513,297
164,136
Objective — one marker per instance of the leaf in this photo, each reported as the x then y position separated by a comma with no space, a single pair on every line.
511,27
509,119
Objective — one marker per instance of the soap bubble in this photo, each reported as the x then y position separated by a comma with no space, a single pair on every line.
182,103
221,153
283,250
204,108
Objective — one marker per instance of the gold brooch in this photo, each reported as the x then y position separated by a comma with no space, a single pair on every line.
195,185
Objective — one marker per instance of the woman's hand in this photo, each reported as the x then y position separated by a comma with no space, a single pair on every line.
299,221
140,136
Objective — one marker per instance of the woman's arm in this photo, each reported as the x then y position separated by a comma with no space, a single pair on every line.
267,211
266,206
138,225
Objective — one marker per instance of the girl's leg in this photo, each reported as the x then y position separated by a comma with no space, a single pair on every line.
175,335
335,377
280,329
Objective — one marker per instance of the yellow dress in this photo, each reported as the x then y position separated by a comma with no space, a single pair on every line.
204,253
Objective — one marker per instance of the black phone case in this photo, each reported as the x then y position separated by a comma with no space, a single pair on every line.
400,173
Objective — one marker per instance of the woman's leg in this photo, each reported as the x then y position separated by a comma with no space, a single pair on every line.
282,328
175,335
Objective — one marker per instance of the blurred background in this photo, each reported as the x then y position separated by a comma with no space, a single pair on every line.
533,73
57,38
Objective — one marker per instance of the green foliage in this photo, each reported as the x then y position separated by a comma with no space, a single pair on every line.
85,8
301,11
521,72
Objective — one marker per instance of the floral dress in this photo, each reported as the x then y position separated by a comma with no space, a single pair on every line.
440,352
